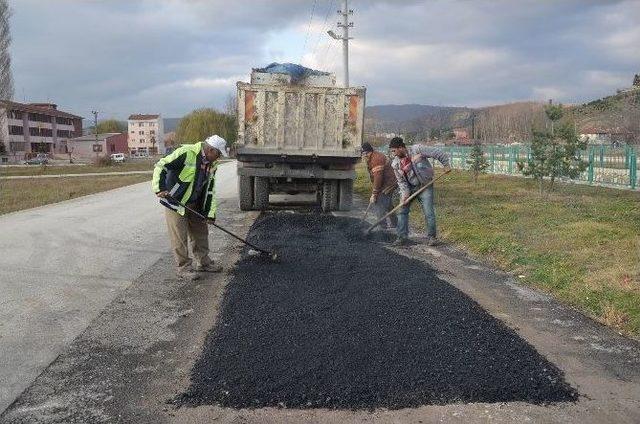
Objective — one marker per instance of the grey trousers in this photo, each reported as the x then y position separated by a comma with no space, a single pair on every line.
185,231
383,205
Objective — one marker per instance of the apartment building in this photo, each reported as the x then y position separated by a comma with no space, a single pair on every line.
146,135
36,128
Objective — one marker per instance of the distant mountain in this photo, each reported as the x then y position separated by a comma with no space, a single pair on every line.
513,121
509,122
414,118
170,124
407,112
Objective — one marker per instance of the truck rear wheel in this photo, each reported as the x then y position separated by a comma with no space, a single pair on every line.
329,195
345,197
261,193
245,189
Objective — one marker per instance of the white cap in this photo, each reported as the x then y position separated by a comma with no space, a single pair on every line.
219,143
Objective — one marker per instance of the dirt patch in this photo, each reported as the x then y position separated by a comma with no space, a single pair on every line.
344,323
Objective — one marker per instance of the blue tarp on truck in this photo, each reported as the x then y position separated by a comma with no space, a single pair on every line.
297,72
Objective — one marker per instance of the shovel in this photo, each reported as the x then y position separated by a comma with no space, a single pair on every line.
263,253
413,196
364,218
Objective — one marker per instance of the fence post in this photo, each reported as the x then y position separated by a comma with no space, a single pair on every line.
591,160
492,154
627,153
633,170
456,154
510,169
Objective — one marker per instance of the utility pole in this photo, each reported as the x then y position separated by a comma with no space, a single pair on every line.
345,25
95,130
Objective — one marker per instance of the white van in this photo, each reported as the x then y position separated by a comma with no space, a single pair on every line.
117,157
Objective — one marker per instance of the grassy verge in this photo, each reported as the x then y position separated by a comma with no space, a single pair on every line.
24,194
579,243
142,165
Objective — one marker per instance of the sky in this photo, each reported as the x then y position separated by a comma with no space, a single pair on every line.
172,56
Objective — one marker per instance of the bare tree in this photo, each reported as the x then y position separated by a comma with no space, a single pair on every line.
231,105
6,78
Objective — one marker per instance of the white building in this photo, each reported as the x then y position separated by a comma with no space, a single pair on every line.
146,135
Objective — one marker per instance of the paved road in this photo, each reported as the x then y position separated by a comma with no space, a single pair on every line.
137,357
60,265
89,174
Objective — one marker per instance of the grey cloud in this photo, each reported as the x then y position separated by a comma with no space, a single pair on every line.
171,56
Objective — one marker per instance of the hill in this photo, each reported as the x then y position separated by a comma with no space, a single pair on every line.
417,122
617,113
414,118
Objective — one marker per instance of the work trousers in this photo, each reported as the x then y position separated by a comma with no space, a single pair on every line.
384,203
426,200
185,231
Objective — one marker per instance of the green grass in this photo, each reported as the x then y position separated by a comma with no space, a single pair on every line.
579,243
138,165
24,194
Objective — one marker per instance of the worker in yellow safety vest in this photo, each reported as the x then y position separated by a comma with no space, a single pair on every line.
187,176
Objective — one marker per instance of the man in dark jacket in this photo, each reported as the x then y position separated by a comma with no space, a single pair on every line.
383,183
413,170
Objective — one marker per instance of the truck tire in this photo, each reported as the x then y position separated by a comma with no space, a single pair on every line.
329,195
261,193
245,189
345,197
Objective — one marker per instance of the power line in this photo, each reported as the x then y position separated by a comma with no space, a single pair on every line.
306,37
324,26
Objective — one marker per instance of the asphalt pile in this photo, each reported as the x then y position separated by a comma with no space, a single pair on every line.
344,323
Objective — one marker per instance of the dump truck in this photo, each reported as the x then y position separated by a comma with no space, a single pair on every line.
298,136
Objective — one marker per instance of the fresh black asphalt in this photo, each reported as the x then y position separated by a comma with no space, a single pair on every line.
343,322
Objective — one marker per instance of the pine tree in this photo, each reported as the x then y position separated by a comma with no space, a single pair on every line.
477,162
554,153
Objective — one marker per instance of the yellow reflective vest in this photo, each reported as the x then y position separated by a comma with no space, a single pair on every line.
176,173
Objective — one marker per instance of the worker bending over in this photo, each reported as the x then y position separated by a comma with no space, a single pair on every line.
187,176
383,183
413,170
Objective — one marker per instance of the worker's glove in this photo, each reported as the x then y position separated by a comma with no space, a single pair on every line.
212,220
162,194
373,199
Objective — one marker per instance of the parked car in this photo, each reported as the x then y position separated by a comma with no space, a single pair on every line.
39,159
118,157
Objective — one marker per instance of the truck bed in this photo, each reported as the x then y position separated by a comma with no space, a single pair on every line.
300,120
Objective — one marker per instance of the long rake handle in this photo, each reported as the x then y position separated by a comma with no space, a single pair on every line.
210,222
413,196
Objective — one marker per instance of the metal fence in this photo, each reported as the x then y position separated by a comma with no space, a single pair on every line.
607,166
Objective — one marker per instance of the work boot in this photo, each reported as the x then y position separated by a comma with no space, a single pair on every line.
432,241
400,241
187,275
209,268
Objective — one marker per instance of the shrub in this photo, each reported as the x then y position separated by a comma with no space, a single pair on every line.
102,161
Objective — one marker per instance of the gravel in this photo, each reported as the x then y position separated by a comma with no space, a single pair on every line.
344,323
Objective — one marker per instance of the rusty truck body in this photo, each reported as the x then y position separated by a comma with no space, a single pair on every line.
298,137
